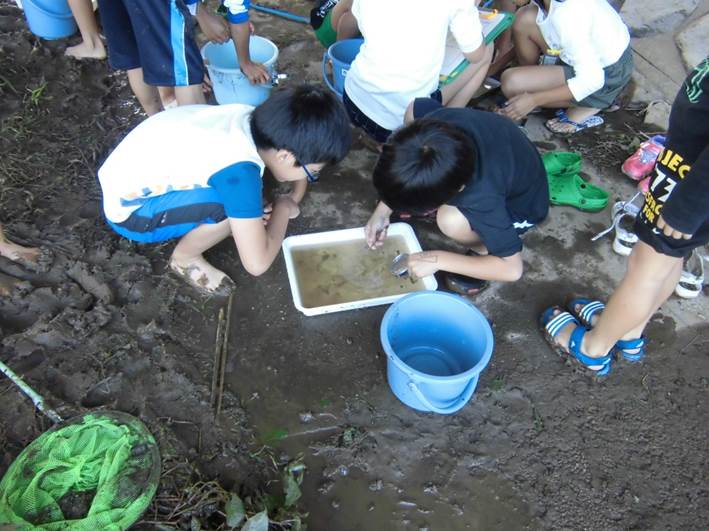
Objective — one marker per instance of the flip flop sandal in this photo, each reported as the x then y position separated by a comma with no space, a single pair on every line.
465,285
560,163
589,308
553,324
562,118
572,190
624,346
692,280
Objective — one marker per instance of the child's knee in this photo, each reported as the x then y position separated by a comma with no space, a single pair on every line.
453,223
525,19
511,82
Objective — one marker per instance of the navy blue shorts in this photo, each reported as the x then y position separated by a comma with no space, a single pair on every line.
155,35
171,215
369,126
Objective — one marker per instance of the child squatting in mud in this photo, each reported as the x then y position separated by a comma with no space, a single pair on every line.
195,173
482,175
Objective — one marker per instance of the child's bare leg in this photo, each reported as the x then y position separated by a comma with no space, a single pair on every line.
461,90
15,252
649,281
343,21
187,259
190,95
147,95
528,40
536,78
167,97
91,46
455,225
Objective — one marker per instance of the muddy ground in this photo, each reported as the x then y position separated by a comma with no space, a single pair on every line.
100,325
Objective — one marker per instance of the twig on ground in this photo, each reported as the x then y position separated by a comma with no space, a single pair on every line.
225,351
217,357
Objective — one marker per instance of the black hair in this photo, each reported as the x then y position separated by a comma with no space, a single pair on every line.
306,120
423,165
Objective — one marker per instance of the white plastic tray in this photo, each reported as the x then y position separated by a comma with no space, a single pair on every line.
306,240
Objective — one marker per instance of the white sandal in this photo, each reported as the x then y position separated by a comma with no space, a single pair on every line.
623,216
692,280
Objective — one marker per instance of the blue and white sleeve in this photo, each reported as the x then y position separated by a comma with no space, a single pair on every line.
237,10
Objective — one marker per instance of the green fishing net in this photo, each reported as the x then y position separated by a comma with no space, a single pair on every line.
95,472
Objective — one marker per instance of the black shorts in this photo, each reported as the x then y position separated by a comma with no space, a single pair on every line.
661,188
155,35
369,126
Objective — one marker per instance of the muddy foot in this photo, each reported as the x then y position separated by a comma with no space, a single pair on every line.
202,275
87,50
8,284
18,253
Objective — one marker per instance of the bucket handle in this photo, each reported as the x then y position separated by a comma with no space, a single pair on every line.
329,83
452,406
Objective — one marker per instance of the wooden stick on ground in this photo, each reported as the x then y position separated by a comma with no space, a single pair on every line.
217,357
225,350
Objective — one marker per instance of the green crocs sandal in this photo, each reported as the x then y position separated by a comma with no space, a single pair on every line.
572,190
561,163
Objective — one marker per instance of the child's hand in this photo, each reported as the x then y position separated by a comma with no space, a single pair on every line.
256,73
215,28
671,232
518,107
423,264
286,201
375,232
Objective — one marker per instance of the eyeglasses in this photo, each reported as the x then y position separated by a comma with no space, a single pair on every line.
312,177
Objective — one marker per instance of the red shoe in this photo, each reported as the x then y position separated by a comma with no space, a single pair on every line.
641,163
644,185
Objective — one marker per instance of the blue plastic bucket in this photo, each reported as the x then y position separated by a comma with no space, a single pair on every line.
437,344
49,19
341,54
229,83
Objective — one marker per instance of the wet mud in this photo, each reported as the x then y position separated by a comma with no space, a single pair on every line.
100,324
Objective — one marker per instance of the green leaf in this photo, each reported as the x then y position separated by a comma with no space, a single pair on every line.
195,525
235,512
297,525
258,522
275,435
291,489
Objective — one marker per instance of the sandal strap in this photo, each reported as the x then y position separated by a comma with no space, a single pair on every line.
591,309
554,326
575,349
630,344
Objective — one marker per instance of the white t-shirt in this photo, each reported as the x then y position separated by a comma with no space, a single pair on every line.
590,36
177,149
403,50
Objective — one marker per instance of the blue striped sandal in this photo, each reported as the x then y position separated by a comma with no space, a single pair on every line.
589,308
559,124
637,346
632,349
553,324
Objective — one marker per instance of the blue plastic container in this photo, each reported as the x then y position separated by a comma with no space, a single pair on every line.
230,85
437,344
341,54
49,19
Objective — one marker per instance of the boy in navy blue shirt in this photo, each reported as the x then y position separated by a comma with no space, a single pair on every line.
484,177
